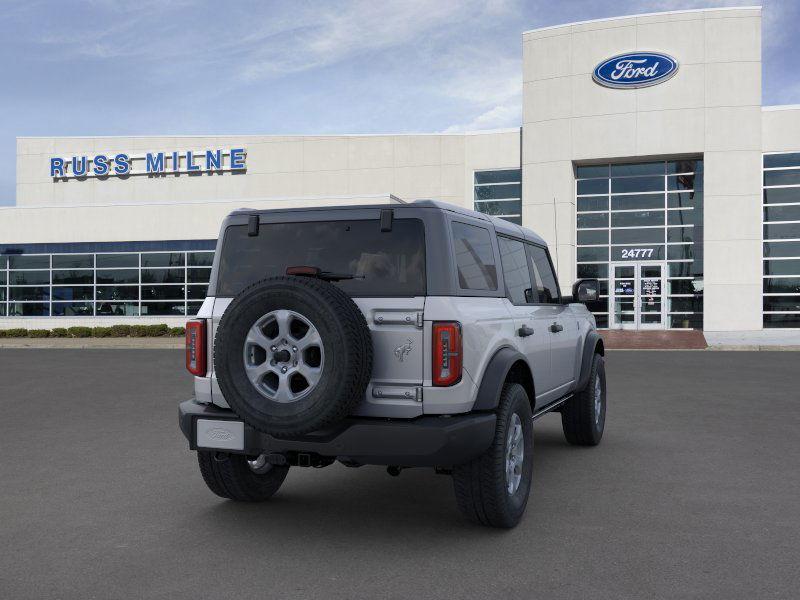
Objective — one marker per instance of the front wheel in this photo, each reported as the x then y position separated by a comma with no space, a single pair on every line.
236,477
493,489
583,417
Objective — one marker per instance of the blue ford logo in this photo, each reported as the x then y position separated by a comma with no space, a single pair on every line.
635,70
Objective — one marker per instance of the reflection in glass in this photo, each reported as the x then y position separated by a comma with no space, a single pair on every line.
73,309
592,220
162,308
29,277
117,260
73,292
117,292
73,261
28,309
29,261
117,309
73,277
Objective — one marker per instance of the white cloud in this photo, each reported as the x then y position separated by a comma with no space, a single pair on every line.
497,117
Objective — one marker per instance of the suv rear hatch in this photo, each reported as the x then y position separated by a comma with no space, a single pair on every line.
386,259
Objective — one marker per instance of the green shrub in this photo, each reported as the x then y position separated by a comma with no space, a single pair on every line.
80,332
16,332
101,332
177,331
2,333
157,330
138,330
59,332
120,330
38,333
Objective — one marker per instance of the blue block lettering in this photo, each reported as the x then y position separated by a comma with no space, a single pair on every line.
123,166
155,162
79,166
213,160
56,167
237,159
100,164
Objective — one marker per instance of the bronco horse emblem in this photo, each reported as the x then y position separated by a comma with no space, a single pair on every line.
402,351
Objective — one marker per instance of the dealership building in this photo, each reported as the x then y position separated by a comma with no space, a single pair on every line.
645,158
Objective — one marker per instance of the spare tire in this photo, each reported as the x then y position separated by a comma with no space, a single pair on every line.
292,355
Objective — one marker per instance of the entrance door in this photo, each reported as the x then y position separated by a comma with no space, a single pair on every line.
637,295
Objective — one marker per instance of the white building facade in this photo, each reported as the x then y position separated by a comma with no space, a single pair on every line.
660,173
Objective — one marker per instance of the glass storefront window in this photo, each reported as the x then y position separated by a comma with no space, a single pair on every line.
73,261
163,275
638,218
73,309
29,293
652,211
28,309
118,276
499,193
200,259
104,284
163,308
35,261
117,309
198,275
164,259
117,292
73,292
29,277
781,214
64,277
111,261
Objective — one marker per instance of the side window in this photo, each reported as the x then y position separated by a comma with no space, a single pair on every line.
546,285
474,257
515,271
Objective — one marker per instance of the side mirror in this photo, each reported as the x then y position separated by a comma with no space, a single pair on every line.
586,290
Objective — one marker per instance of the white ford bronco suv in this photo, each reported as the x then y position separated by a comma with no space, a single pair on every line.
406,335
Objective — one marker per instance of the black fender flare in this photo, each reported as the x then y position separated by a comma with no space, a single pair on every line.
494,376
593,344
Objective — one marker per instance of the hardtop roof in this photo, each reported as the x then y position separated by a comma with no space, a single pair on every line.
500,225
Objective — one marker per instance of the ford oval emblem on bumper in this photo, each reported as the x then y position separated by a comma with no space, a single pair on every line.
635,70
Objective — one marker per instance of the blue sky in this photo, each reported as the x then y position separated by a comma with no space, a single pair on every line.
104,67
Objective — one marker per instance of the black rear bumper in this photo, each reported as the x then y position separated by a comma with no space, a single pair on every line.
430,441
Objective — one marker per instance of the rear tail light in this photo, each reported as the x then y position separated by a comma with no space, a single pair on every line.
447,353
196,347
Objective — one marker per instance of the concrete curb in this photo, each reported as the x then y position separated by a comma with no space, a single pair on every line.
754,347
89,343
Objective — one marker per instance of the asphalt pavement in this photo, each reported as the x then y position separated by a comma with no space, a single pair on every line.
693,493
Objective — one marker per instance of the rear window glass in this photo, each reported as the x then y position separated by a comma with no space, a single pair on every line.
390,263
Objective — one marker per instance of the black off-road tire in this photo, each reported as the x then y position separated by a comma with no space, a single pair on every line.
346,341
229,476
581,418
481,485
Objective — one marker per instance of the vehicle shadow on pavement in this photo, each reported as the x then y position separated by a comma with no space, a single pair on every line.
360,502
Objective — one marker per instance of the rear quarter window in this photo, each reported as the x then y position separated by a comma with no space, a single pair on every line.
474,257
390,263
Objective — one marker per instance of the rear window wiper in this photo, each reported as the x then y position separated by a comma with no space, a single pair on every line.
305,271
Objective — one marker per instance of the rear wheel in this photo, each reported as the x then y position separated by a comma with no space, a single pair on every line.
493,489
236,477
583,417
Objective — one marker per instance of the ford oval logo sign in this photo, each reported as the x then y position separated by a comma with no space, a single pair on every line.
635,70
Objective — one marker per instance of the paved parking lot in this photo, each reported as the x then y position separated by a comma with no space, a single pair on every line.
694,492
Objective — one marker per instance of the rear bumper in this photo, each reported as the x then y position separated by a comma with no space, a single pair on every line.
430,441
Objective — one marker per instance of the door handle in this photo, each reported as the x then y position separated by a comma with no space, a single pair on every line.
524,331
555,328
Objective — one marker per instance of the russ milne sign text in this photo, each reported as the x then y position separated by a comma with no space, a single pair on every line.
151,163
